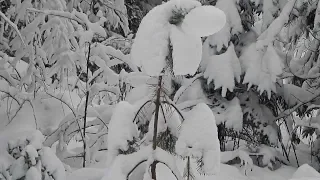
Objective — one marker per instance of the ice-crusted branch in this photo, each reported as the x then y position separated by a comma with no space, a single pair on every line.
275,27
14,26
291,110
17,111
311,50
315,43
59,14
67,104
308,124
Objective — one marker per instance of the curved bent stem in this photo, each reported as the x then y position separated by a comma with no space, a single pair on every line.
135,117
175,107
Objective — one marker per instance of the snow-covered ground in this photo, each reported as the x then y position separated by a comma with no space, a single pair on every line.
98,170
227,172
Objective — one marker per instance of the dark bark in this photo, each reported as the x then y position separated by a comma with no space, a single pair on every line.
85,114
155,128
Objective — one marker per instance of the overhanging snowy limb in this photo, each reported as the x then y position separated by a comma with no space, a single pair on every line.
151,47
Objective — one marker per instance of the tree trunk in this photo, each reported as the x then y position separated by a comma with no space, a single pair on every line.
155,128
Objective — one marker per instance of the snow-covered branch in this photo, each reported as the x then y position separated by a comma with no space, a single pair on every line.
291,110
275,27
14,26
60,14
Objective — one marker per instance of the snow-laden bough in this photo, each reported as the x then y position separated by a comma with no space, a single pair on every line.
199,138
180,24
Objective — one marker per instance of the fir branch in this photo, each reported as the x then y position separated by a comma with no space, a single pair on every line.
172,105
200,165
132,147
167,141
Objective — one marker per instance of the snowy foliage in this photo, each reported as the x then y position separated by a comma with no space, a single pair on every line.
224,73
240,76
122,130
198,138
30,160
182,34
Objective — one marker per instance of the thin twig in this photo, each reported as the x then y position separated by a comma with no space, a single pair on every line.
85,110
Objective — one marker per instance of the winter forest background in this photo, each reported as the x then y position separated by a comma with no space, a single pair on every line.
145,89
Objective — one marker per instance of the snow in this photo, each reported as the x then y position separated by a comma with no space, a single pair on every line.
31,154
293,94
138,93
155,36
33,174
18,169
53,166
124,164
86,174
121,130
275,27
169,161
5,162
268,154
269,9
261,68
186,53
212,21
199,137
150,47
190,90
246,162
232,14
272,63
223,69
168,119
305,171
36,139
233,115
44,121
228,172
221,38
136,79
284,173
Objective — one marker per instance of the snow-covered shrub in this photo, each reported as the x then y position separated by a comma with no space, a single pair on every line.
64,51
259,74
30,160
178,30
